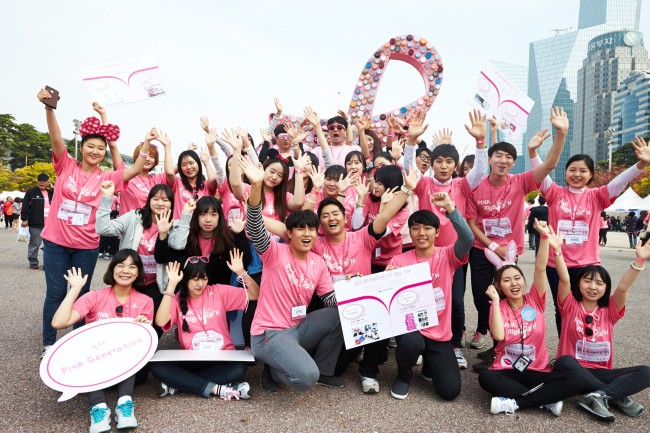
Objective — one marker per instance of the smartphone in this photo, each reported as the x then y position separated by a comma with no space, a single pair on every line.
53,99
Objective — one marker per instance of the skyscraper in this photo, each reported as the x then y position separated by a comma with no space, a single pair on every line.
554,64
632,109
610,59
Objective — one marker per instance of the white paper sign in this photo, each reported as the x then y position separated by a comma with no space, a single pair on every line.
499,97
383,305
124,82
97,356
199,355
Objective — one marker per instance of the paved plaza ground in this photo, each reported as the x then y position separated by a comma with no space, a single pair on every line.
27,405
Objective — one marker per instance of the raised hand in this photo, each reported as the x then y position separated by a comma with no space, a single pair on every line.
476,126
416,126
361,187
266,136
362,123
559,119
205,124
410,178
255,174
192,146
441,199
301,162
343,114
243,134
312,117
189,207
174,273
232,137
641,150
237,224
204,155
554,240
396,151
345,182
151,135
388,195
107,188
537,140
163,138
75,279
236,263
542,227
278,106
317,177
492,293
43,94
99,109
211,137
442,137
392,124
164,222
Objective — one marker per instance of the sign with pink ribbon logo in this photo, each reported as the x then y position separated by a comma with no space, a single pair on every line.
97,356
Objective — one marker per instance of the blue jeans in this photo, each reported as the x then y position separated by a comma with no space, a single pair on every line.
198,377
57,260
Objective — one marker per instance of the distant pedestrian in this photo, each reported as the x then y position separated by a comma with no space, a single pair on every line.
8,212
604,228
36,207
630,228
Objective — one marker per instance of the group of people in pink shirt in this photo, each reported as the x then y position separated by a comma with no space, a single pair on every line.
270,230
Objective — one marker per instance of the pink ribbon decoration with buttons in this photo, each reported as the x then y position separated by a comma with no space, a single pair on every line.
412,49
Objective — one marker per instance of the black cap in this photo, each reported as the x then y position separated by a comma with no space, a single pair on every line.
42,177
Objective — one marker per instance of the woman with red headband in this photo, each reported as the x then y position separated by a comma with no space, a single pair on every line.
69,237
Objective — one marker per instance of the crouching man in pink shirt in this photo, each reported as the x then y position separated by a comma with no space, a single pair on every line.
300,349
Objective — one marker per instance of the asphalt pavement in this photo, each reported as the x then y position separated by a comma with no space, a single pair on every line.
27,405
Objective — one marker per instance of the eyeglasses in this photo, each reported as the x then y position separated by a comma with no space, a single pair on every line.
195,259
424,157
119,311
588,321
335,126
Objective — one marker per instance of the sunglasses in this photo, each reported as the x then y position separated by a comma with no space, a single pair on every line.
284,136
119,311
424,157
195,259
335,126
588,321
195,190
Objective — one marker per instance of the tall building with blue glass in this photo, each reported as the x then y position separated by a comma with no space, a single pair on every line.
631,116
554,63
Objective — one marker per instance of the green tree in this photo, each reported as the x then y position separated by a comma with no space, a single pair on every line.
25,177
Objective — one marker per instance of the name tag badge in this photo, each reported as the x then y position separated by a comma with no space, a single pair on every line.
498,231
75,219
299,312
208,346
377,252
573,239
522,363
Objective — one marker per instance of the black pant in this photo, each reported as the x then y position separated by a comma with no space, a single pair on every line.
618,383
458,305
482,277
110,245
9,219
553,282
438,361
557,385
602,236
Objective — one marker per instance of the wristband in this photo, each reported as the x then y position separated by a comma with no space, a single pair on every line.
480,142
557,253
316,190
341,195
298,170
543,236
405,190
310,201
493,246
639,260
171,295
144,155
635,268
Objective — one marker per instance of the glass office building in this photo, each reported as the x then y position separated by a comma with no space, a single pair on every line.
554,63
631,116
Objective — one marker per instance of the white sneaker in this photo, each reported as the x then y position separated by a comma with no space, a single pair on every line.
555,408
369,385
124,416
502,404
462,362
100,419
238,391
165,390
244,390
45,350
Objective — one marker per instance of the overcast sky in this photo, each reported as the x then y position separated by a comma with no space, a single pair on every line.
228,60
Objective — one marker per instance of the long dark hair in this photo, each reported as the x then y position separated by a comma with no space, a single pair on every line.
190,271
390,176
121,257
200,179
145,212
591,271
280,191
223,237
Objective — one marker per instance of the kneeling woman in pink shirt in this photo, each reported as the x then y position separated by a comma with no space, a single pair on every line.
199,310
124,274
521,376
588,319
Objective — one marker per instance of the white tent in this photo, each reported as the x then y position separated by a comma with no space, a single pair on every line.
645,203
626,202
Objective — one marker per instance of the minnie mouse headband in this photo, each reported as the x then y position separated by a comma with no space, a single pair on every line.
92,125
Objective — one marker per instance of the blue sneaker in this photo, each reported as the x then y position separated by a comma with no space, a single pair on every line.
124,415
100,419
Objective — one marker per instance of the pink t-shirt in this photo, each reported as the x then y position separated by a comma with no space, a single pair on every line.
146,250
268,210
182,195
287,282
101,304
347,257
115,203
443,263
591,352
391,244
499,210
349,203
530,319
206,245
338,153
71,219
206,317
458,190
577,217
232,208
137,190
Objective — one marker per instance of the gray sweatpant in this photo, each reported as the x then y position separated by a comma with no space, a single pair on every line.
35,242
297,356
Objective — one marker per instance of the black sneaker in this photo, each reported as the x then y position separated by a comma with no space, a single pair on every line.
399,390
266,380
330,381
482,366
487,355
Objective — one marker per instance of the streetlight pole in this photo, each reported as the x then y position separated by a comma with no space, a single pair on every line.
609,136
77,125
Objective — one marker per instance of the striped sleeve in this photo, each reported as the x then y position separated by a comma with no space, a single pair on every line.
256,230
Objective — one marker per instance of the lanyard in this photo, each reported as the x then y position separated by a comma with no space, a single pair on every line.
520,324
575,208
